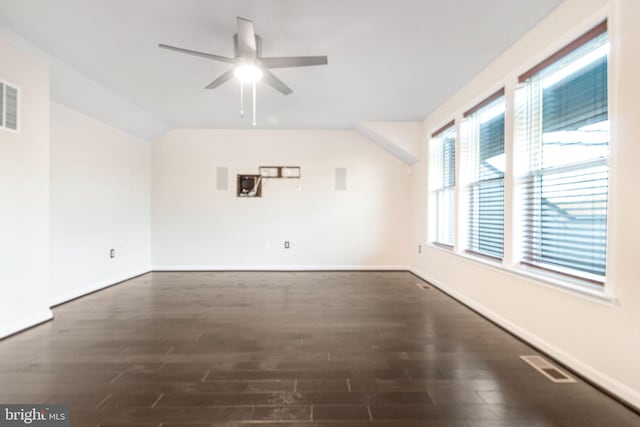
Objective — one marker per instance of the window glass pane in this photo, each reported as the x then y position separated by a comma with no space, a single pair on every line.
445,216
442,179
484,160
486,216
572,219
575,124
448,159
492,161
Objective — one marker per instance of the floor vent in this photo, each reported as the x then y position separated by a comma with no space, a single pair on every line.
423,285
552,372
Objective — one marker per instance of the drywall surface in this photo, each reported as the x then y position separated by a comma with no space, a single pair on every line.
100,200
600,339
194,226
402,139
71,88
24,195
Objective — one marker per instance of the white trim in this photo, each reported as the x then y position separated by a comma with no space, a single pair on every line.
77,293
570,35
279,267
613,386
509,81
613,30
26,323
566,285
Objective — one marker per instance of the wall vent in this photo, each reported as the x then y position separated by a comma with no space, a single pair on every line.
552,372
1,104
222,179
423,285
341,179
8,106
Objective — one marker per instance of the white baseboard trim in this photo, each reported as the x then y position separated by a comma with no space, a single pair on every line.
25,323
77,293
613,386
278,267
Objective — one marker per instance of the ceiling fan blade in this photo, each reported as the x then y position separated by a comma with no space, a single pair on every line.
246,38
275,83
220,80
197,53
293,61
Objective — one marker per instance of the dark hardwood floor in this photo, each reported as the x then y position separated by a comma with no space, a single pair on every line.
287,349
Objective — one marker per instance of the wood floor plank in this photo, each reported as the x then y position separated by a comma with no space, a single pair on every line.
312,349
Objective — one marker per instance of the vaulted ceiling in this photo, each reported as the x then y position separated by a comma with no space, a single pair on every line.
388,60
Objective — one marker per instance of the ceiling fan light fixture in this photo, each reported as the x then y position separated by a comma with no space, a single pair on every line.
249,64
248,73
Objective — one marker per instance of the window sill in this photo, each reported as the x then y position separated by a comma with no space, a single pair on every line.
566,285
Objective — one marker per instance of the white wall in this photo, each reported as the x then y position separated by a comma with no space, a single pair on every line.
100,199
24,196
71,88
401,139
600,340
194,226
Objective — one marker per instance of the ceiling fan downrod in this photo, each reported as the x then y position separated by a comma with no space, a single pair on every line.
241,99
254,104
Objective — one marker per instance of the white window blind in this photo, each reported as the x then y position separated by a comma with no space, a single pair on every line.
442,159
562,124
484,167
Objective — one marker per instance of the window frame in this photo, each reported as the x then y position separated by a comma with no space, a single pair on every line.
436,192
576,287
571,275
470,183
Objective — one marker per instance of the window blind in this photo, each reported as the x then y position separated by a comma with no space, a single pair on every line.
483,145
562,123
442,183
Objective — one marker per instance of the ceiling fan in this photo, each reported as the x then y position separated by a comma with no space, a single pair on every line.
249,64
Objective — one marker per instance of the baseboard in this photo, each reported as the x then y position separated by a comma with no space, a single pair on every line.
620,391
25,323
94,287
280,268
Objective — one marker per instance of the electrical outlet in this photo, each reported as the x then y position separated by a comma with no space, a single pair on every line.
419,249
112,253
286,244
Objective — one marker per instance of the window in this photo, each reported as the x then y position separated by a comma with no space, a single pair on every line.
563,130
484,166
8,107
442,166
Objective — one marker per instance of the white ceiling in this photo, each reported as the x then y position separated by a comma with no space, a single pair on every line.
388,60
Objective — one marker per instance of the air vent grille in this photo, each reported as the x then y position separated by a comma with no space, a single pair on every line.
11,117
423,285
1,104
8,107
552,372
